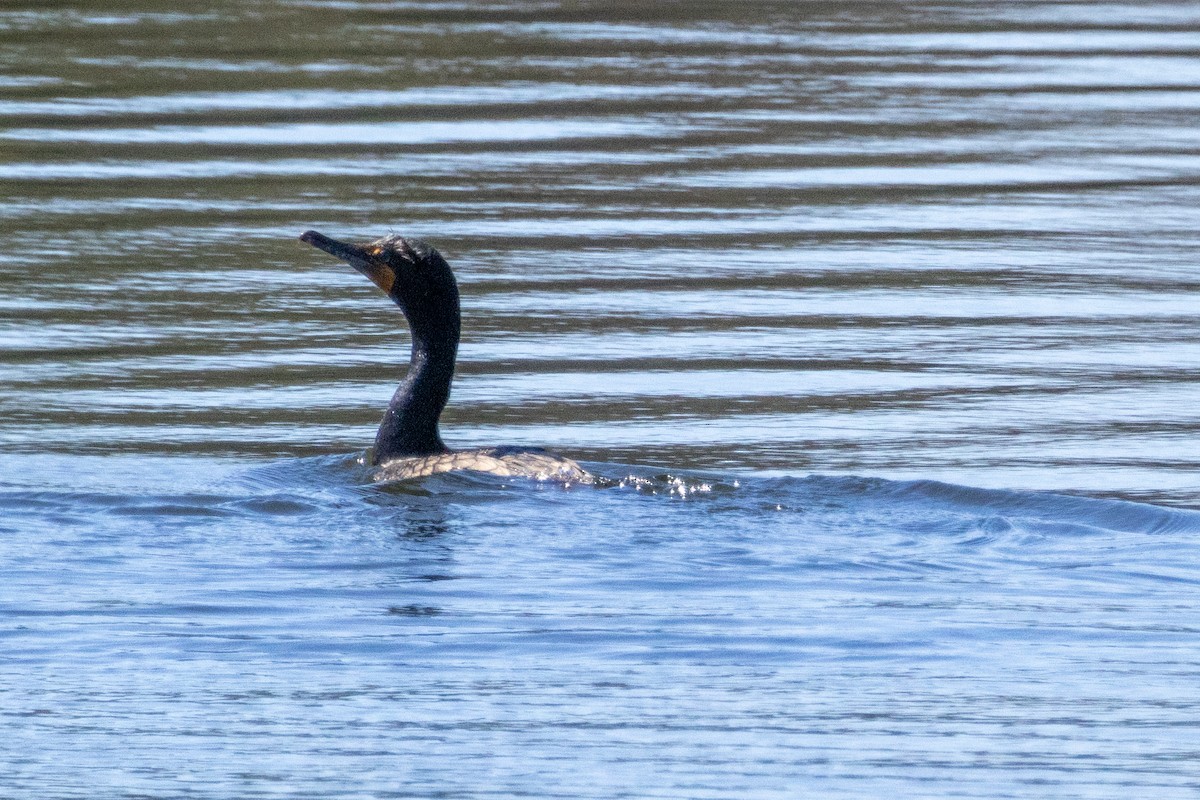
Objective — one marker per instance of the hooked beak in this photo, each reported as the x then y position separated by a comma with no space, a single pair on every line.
356,256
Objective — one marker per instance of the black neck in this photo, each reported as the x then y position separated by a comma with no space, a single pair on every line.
410,425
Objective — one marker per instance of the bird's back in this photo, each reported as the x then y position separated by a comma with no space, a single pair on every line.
505,461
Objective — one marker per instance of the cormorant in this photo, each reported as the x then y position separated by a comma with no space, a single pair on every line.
408,444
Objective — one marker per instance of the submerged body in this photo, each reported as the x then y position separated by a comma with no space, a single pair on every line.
540,465
408,444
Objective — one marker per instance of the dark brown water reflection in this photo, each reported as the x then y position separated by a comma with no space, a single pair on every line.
953,241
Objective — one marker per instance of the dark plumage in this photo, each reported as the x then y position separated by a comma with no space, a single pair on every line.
408,444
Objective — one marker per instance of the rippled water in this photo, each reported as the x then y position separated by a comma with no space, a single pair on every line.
795,276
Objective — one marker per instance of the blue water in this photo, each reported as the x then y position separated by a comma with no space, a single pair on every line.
289,630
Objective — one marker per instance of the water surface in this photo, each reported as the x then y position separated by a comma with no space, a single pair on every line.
883,321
